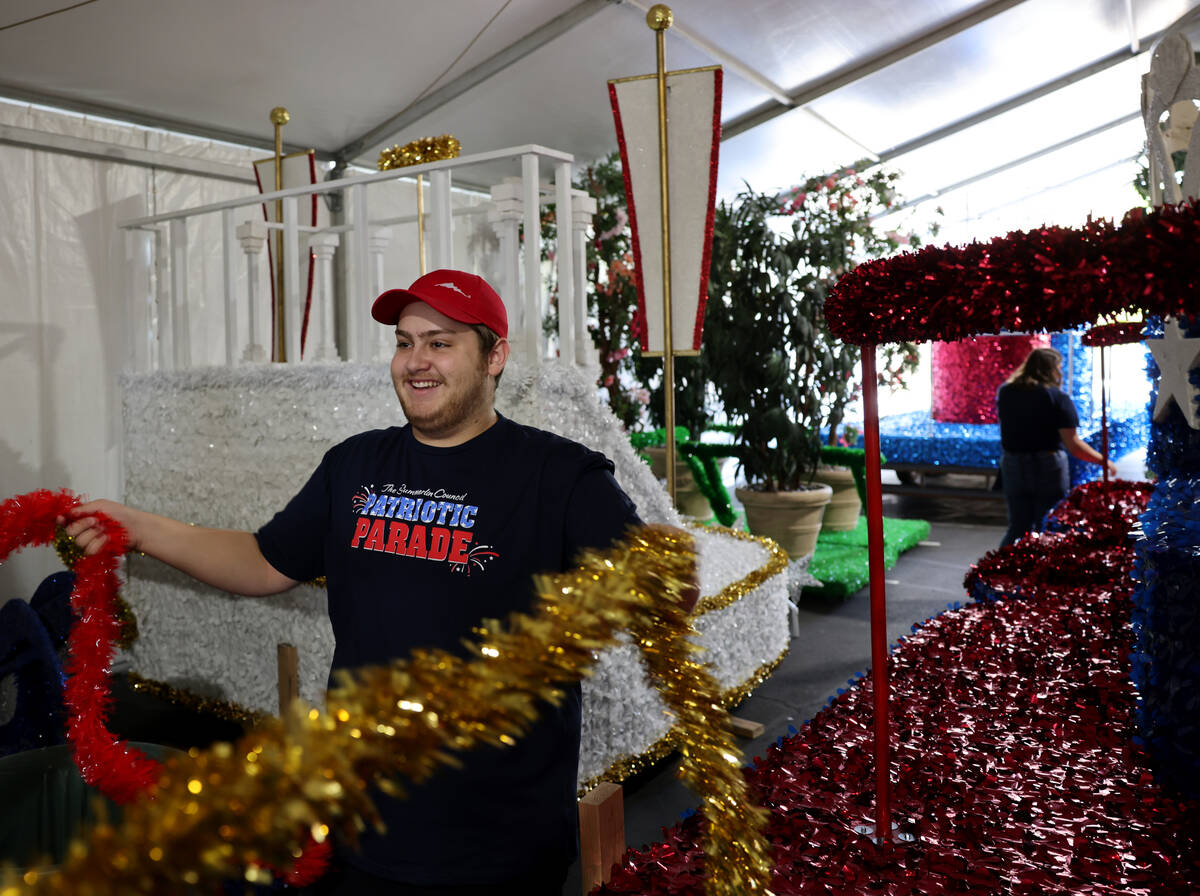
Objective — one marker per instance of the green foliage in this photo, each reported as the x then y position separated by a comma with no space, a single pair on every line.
768,364
612,291
776,369
833,221
759,344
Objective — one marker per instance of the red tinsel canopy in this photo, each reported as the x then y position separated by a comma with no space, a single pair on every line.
1049,279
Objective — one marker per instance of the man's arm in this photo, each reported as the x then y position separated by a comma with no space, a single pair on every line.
228,559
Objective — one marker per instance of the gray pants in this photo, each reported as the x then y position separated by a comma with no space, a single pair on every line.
1033,483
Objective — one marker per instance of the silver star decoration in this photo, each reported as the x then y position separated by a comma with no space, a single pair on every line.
1175,356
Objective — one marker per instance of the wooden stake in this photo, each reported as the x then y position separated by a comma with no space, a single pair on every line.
601,833
746,728
288,659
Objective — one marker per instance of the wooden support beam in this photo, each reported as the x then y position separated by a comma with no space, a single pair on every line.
288,659
601,833
745,728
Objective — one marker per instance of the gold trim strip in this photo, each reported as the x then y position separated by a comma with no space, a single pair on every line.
678,71
776,564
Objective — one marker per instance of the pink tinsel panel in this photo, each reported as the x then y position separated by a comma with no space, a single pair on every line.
967,373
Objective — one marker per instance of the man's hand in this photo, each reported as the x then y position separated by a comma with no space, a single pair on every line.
85,528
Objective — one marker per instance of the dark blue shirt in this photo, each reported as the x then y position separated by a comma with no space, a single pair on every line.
418,544
1031,416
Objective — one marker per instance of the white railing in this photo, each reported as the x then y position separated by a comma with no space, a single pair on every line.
366,245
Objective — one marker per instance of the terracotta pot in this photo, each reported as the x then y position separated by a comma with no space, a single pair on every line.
792,519
689,500
844,509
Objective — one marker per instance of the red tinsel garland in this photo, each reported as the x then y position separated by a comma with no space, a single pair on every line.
1113,334
105,761
1051,279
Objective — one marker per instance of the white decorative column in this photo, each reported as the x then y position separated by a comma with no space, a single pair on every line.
505,218
161,319
531,315
564,256
181,347
440,222
228,238
583,209
252,235
359,344
384,341
323,245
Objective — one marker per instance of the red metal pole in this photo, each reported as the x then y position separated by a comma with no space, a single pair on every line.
879,651
1103,413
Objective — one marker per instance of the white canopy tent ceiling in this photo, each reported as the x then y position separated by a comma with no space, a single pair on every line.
950,91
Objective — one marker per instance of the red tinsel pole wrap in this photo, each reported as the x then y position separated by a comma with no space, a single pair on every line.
1104,412
875,563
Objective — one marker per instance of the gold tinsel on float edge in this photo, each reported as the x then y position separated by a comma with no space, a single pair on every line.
418,152
221,709
232,811
777,562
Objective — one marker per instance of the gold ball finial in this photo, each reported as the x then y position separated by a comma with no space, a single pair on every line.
660,17
279,115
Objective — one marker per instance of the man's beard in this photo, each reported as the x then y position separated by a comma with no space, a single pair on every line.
453,410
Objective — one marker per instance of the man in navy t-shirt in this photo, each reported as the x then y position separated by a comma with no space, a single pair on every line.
421,532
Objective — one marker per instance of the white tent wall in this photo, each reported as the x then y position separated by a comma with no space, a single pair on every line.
70,319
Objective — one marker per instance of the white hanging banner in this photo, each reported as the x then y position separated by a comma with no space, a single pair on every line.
693,139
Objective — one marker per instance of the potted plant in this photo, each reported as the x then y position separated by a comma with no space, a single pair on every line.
763,361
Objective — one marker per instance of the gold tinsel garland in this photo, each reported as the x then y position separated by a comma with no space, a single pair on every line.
418,152
232,811
619,770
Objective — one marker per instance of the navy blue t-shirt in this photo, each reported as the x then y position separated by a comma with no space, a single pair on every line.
1031,416
418,544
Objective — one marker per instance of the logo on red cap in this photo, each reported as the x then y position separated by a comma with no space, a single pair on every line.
453,286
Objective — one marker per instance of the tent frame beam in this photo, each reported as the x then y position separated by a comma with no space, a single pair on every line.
98,150
153,122
856,71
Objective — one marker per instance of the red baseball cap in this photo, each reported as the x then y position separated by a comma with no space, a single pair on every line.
466,298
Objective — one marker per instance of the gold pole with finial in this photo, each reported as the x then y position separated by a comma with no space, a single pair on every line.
279,117
660,18
421,223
